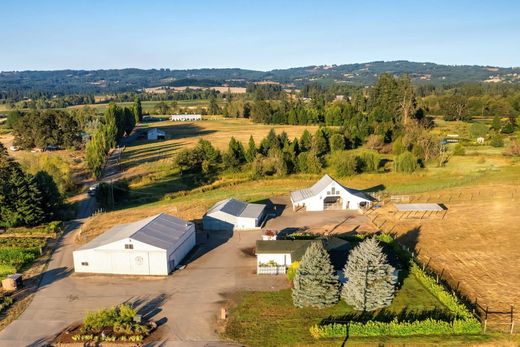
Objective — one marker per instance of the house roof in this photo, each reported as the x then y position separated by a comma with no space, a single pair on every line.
318,187
337,248
238,208
161,231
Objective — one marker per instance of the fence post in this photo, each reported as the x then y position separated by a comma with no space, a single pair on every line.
512,321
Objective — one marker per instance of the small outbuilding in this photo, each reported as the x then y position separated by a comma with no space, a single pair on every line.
232,214
155,134
328,194
152,246
185,117
273,257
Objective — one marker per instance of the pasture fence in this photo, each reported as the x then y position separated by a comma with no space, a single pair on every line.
497,318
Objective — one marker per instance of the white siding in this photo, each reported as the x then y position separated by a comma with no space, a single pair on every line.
219,220
142,259
349,201
280,259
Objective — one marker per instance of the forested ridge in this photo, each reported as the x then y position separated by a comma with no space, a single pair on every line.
17,84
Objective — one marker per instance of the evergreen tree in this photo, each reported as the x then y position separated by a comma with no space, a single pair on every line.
496,124
337,142
250,154
129,120
370,279
235,155
137,109
213,107
320,144
305,141
51,199
315,283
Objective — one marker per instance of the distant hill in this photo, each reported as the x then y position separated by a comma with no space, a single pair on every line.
103,81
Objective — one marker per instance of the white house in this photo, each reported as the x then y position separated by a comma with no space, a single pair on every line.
273,257
185,117
328,194
152,246
155,134
232,214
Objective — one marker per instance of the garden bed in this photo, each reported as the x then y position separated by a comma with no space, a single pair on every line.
119,325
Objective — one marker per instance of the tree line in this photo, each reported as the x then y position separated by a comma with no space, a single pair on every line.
117,123
25,199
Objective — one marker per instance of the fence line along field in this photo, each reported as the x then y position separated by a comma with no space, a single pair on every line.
474,247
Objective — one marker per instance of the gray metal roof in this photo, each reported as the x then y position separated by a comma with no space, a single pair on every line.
318,187
161,231
419,207
238,208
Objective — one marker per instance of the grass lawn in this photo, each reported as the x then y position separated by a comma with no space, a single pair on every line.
270,319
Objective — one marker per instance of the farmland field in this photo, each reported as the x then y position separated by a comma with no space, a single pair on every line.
179,135
475,246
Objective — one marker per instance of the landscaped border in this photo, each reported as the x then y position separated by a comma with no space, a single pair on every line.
463,323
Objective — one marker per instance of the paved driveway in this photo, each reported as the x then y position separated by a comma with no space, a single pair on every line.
186,302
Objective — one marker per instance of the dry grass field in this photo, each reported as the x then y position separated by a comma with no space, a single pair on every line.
180,135
475,246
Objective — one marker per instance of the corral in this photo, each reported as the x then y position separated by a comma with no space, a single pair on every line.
473,248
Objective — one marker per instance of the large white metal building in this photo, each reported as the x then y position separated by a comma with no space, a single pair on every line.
328,194
232,214
152,246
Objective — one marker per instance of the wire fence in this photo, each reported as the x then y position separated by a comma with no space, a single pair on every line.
492,316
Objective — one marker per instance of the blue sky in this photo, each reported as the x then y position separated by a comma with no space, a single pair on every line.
263,35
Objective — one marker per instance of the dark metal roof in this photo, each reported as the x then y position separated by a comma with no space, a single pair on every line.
238,208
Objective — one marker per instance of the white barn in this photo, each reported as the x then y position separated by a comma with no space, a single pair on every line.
328,194
152,246
155,134
232,214
185,117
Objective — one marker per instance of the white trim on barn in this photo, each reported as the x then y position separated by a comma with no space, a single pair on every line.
328,194
155,134
152,246
185,117
232,214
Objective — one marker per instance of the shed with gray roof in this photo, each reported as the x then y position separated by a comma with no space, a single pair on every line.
329,194
152,246
232,214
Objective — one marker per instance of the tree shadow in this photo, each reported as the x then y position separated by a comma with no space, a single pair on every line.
148,307
386,316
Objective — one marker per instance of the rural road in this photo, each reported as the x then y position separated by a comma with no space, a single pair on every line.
186,303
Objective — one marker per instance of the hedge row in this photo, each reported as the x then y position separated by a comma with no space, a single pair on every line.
464,323
396,328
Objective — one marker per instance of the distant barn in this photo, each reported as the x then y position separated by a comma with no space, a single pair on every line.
185,117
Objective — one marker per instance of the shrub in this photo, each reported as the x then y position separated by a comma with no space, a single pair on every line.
369,162
496,141
396,328
514,148
459,149
291,270
406,162
345,164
